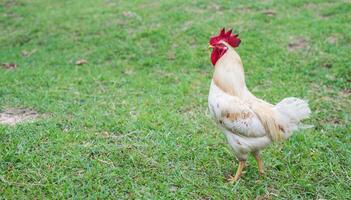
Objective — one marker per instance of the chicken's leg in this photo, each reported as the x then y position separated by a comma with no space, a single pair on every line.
259,162
238,172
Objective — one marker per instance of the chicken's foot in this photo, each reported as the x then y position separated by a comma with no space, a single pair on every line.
238,172
259,162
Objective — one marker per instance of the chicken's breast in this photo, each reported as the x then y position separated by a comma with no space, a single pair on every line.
242,127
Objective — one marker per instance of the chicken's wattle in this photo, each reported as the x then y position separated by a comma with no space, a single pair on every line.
217,53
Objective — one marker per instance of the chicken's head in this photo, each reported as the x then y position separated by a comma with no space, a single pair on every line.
218,46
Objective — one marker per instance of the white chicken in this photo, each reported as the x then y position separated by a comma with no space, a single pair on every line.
249,123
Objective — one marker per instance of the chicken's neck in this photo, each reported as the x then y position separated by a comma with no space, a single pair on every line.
229,74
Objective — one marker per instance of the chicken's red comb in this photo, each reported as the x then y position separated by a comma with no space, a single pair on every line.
228,37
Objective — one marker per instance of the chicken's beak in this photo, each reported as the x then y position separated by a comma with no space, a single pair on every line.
210,46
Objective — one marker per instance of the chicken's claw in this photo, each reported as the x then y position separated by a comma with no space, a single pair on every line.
232,179
241,166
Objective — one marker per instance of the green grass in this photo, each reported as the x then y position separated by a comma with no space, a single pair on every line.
132,122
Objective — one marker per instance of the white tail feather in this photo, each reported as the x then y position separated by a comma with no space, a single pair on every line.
291,111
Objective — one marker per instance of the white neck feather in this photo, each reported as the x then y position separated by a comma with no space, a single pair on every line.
229,74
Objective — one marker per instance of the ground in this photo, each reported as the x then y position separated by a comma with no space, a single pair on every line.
120,89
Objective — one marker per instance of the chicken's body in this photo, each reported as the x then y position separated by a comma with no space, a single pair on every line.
242,128
249,124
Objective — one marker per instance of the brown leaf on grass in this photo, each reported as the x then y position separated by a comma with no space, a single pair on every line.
28,53
346,92
245,10
171,55
130,14
9,65
24,53
128,71
12,116
173,188
335,121
270,13
81,62
215,6
332,39
264,197
328,65
298,43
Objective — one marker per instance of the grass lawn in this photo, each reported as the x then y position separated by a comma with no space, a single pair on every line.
132,122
